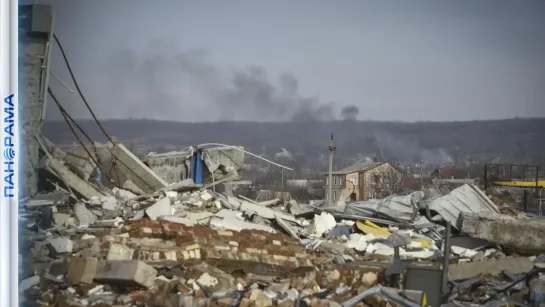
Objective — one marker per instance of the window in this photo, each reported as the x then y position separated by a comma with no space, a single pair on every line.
334,196
327,180
335,180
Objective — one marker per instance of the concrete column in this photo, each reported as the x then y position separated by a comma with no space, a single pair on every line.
34,48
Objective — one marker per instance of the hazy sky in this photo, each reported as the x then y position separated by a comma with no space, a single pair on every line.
282,60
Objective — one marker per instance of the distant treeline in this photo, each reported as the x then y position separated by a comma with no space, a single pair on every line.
520,138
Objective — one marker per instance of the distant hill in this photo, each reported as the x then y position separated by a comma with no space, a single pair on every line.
521,139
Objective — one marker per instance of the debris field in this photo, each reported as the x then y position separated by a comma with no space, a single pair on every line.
131,238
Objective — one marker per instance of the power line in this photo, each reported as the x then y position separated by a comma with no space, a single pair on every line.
114,158
79,90
67,119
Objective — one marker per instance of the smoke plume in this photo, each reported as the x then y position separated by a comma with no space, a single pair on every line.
165,83
350,112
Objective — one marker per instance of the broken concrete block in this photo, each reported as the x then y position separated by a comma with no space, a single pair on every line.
132,187
279,287
95,201
29,283
81,270
179,220
61,245
125,273
184,185
232,203
207,281
269,202
160,208
136,170
205,196
109,203
251,209
523,234
173,195
119,252
61,219
227,213
85,216
138,215
260,299
517,265
237,225
290,230
78,185
124,194
214,279
200,217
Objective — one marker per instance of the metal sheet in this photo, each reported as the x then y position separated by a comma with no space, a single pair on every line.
467,198
402,208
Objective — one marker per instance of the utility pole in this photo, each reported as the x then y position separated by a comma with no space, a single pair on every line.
282,170
330,180
421,175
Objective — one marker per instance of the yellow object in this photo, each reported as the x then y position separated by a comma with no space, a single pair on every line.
424,300
521,183
371,224
373,229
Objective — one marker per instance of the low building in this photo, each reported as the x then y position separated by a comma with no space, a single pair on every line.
364,180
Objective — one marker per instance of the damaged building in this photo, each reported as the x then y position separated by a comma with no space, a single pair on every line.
364,180
103,227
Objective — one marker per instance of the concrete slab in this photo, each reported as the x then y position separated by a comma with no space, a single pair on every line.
160,208
179,220
125,273
136,170
81,270
85,216
61,245
517,265
523,234
265,212
78,185
236,225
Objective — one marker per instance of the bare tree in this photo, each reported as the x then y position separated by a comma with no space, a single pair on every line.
298,192
386,183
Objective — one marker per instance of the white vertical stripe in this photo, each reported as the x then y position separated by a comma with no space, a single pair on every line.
4,205
8,206
14,202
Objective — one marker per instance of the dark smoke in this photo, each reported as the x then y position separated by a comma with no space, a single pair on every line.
350,112
258,98
164,83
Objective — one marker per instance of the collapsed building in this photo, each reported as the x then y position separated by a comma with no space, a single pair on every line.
101,227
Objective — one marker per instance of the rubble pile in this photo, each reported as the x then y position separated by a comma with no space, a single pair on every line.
142,241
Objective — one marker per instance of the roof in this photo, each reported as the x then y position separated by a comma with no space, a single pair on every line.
358,167
467,198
